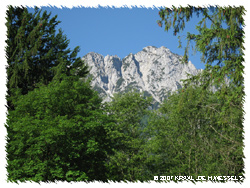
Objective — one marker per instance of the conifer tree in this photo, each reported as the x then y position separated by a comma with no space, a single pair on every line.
41,68
220,40
35,53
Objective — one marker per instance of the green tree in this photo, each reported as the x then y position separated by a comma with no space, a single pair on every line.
36,53
128,111
187,140
59,132
220,40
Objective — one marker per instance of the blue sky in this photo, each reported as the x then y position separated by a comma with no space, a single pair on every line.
118,31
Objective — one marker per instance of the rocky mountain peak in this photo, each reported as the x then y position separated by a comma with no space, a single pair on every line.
156,51
155,71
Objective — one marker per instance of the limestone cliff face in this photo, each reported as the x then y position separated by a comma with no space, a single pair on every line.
156,71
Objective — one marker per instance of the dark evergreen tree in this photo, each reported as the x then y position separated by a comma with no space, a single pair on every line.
37,57
36,54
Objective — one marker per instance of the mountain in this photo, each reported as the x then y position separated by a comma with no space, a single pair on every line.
155,71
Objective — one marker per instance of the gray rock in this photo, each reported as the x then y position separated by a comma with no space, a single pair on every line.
155,71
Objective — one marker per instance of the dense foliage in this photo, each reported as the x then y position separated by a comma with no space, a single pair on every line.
129,113
59,129
220,40
188,139
39,120
57,133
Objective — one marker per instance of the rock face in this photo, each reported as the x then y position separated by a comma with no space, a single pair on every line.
154,71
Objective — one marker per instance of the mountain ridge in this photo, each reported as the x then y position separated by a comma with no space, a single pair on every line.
155,71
